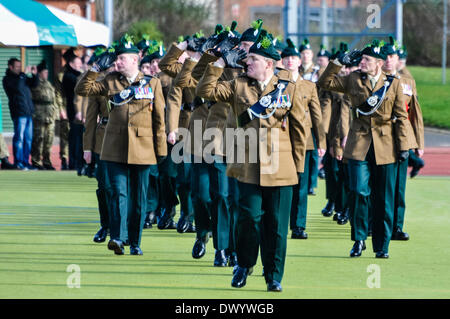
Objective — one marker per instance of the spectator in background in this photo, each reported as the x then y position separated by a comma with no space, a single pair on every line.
17,87
4,153
72,72
44,117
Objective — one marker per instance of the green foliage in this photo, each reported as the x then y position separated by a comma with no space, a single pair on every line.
434,97
145,29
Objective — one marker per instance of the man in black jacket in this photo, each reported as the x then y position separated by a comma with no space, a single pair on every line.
17,87
71,74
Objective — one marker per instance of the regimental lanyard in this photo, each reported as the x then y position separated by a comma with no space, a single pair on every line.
374,101
271,101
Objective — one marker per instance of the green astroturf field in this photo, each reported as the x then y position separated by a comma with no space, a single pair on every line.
48,219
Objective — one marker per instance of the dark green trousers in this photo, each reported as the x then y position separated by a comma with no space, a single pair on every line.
313,165
233,202
263,220
367,179
331,176
183,180
300,196
400,190
219,208
201,199
153,189
103,190
128,200
341,192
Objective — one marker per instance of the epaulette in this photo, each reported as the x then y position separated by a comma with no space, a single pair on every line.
285,75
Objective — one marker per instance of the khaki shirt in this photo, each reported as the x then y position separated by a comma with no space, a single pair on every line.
135,133
386,128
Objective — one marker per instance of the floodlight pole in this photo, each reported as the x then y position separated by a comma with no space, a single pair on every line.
109,9
444,45
399,21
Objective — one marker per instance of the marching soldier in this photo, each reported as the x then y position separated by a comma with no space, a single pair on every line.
415,135
310,72
264,105
159,183
179,100
310,102
219,184
376,140
94,132
134,139
44,118
415,161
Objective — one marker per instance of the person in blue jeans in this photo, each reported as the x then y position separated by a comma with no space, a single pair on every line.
17,87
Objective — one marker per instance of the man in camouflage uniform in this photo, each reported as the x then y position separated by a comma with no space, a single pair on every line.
43,120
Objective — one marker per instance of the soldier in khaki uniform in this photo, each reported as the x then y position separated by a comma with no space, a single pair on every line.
94,131
134,139
268,172
414,160
161,185
44,118
415,135
214,162
179,100
376,140
310,71
310,102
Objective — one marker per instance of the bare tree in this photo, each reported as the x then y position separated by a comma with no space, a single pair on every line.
172,17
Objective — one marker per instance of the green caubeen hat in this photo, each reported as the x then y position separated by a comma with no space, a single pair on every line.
94,57
126,45
323,52
264,46
155,51
375,49
290,50
391,47
305,45
251,34
144,43
402,53
278,43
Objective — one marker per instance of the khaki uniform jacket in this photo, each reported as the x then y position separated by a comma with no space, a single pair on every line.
278,154
416,129
177,96
310,100
135,133
188,78
388,138
45,108
340,122
310,74
221,117
405,72
94,130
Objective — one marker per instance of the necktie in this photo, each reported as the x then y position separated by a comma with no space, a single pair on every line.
373,82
